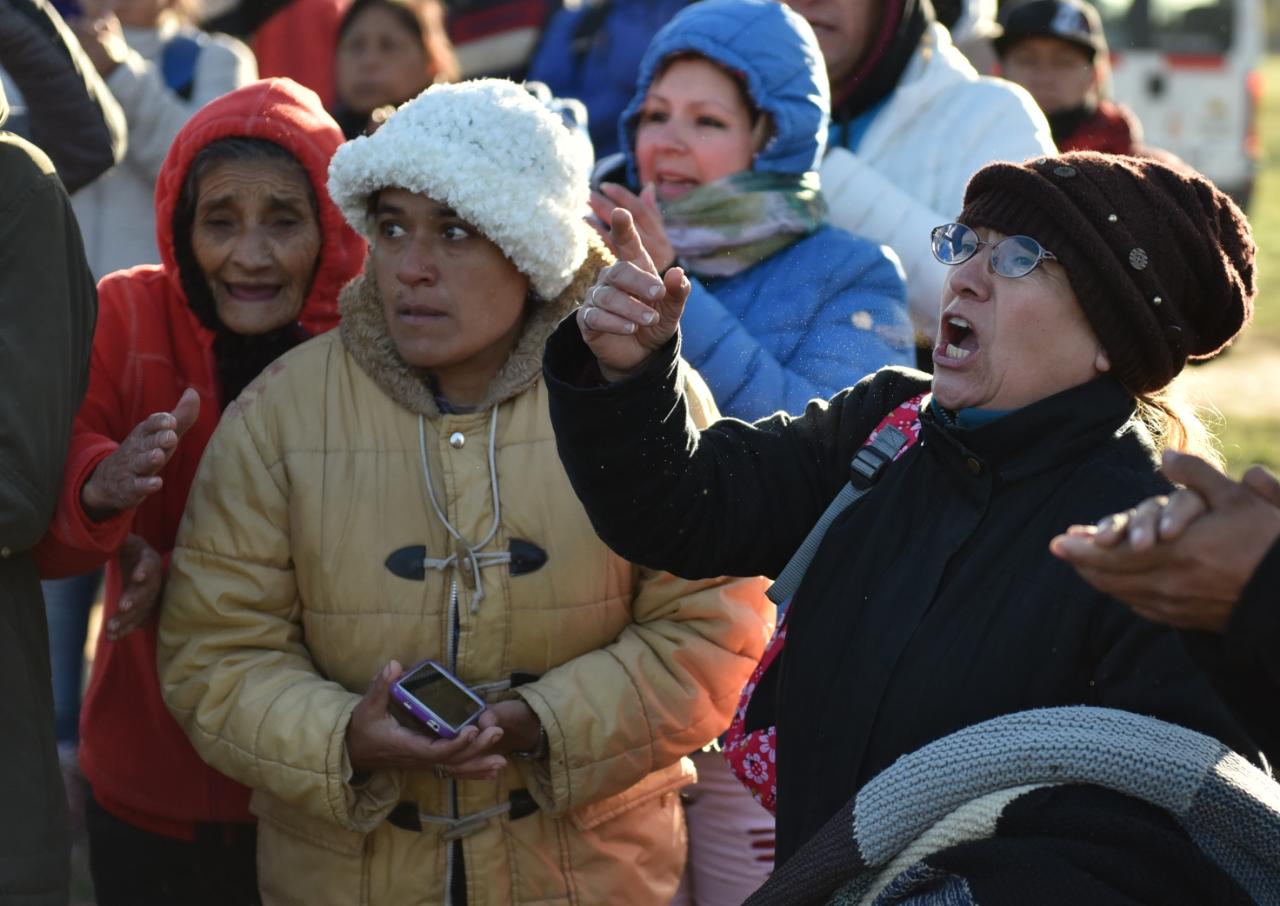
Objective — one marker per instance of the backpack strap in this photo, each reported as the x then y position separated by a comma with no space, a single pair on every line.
897,431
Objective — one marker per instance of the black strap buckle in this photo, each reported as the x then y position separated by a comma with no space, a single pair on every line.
869,462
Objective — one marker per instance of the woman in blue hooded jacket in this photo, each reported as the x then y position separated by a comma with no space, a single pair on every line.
725,133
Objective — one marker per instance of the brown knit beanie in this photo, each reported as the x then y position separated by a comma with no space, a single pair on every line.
1160,260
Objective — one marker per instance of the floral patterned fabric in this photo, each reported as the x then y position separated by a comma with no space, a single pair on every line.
752,756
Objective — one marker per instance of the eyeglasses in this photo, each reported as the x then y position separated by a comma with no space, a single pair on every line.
1012,256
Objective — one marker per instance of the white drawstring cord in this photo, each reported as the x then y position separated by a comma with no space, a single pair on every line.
476,559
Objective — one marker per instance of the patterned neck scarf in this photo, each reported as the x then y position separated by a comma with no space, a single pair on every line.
724,227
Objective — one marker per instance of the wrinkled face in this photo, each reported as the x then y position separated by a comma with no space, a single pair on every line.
379,62
845,29
1058,74
1004,343
454,303
694,128
256,239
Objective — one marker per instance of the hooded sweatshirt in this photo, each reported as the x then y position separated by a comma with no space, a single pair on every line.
148,348
821,313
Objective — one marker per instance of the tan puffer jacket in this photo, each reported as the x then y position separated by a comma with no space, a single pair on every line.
281,604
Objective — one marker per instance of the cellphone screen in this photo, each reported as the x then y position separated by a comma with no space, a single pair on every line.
439,693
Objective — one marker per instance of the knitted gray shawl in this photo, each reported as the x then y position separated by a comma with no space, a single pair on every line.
954,789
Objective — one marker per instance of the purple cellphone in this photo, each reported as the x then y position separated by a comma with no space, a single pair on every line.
437,698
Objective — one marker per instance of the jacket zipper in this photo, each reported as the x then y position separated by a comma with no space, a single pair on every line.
453,620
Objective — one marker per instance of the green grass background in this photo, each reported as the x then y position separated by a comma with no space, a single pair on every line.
1249,429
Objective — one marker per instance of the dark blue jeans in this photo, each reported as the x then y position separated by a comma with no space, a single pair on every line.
67,603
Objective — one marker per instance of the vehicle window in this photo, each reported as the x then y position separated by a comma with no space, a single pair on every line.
1169,26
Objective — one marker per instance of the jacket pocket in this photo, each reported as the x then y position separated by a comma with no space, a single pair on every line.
306,861
667,780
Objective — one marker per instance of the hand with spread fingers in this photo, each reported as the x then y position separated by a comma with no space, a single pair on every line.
1184,558
132,472
142,578
645,214
376,740
631,310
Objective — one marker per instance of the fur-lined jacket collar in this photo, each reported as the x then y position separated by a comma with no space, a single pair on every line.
364,333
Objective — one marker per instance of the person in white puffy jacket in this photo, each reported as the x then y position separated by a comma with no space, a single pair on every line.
161,70
911,121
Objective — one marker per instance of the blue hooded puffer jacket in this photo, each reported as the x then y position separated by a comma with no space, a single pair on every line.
825,311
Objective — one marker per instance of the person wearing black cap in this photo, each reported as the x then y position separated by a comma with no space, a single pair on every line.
1079,287
911,121
1056,50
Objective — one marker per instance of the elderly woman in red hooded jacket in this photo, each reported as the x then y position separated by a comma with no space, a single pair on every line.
254,253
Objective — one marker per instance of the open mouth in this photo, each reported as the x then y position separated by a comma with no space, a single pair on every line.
673,186
957,341
253,292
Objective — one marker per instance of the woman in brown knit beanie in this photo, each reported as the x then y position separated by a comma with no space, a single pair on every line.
1079,286
1158,261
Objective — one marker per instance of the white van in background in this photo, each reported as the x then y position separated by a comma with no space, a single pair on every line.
1191,71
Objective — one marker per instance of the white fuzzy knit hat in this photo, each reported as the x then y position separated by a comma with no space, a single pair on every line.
493,153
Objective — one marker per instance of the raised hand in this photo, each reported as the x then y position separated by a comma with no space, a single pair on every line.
644,212
103,41
142,580
132,473
631,310
376,740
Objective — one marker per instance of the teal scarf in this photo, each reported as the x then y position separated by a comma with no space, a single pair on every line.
724,227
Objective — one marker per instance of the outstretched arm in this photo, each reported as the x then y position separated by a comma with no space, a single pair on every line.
732,499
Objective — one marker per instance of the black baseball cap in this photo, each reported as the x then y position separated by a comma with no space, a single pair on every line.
1073,21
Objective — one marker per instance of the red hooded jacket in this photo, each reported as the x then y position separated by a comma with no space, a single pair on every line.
147,349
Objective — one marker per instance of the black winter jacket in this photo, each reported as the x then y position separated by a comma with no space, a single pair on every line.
932,604
1253,635
48,305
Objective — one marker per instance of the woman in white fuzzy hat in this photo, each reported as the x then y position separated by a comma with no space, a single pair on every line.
392,492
